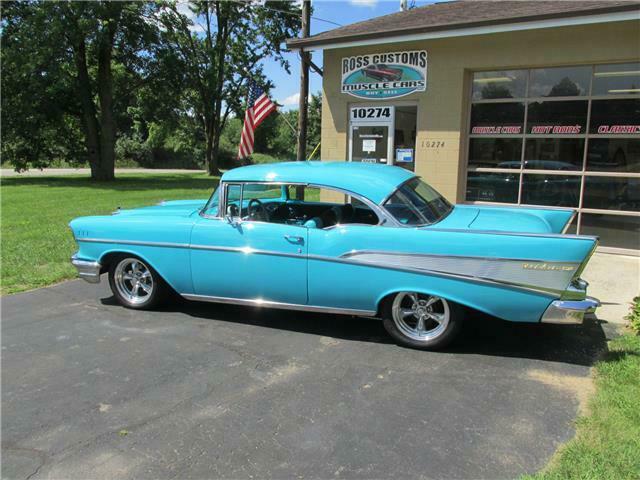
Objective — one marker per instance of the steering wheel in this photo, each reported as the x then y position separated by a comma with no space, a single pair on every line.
256,210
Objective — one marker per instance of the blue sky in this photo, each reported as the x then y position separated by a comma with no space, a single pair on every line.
341,12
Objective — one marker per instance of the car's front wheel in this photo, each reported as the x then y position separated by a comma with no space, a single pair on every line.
135,284
422,321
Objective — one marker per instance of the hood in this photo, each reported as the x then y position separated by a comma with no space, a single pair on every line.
506,219
184,208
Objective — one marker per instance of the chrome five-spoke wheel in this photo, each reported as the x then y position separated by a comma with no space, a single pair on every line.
134,283
421,320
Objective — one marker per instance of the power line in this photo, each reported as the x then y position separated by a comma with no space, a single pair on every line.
295,14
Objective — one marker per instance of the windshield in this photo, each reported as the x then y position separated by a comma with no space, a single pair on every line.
211,208
416,203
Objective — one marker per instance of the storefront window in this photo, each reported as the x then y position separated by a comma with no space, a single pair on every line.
617,79
497,118
554,153
492,187
557,118
495,152
582,120
614,155
559,82
552,190
494,85
615,117
614,230
612,193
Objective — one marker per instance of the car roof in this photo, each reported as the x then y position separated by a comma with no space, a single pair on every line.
370,180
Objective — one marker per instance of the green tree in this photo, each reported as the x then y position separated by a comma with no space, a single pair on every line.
72,66
219,52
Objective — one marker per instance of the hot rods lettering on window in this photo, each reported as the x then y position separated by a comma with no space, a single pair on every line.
344,238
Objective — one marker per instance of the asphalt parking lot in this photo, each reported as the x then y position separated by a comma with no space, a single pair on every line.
92,390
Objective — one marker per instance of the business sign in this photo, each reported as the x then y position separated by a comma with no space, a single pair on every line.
380,76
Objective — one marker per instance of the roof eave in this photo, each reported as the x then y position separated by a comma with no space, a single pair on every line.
313,42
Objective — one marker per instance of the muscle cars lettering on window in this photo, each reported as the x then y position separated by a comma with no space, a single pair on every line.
384,75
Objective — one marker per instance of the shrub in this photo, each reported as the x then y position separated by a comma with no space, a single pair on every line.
634,315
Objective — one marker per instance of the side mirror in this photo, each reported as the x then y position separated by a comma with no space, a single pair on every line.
231,215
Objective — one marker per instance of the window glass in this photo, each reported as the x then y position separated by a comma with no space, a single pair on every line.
495,152
505,84
621,79
563,117
262,191
492,187
612,193
615,116
554,153
559,82
613,230
234,196
497,118
323,207
416,203
614,155
298,192
211,208
552,190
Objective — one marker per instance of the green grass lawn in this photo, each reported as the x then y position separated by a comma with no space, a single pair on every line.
36,240
607,441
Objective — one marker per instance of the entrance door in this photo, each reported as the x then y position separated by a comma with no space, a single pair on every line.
371,134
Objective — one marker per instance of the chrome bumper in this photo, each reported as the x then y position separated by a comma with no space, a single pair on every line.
569,311
87,270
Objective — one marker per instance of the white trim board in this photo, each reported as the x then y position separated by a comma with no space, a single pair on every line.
481,30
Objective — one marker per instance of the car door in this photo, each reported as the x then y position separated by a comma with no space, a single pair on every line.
240,258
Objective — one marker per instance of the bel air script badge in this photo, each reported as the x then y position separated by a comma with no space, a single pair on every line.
547,266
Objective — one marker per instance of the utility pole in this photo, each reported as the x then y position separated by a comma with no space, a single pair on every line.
305,59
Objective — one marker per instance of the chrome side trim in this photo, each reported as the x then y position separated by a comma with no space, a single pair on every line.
512,234
248,251
446,255
569,311
87,270
134,242
552,277
259,302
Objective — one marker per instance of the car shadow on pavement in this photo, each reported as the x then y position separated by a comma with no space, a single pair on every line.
481,334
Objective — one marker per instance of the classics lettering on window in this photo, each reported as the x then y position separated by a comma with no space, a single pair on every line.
615,117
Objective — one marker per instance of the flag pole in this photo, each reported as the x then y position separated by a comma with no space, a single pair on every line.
295,132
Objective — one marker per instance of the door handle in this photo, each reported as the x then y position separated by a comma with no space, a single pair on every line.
294,239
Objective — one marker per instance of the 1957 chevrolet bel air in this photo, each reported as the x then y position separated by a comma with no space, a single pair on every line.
345,238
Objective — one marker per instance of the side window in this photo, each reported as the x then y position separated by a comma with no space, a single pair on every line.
323,207
233,195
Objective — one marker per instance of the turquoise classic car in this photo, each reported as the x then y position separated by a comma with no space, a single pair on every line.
344,238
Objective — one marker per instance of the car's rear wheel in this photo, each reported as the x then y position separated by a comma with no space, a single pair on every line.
422,321
135,284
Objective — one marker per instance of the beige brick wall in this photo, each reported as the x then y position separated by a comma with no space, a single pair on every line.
443,107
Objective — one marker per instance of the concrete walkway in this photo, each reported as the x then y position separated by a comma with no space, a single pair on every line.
614,280
7,172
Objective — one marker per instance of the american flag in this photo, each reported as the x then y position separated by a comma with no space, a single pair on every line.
259,106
